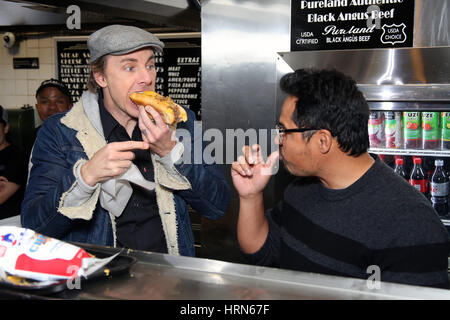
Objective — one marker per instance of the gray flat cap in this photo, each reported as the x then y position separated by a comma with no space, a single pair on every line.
118,39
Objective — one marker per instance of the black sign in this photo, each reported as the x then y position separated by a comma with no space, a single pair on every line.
178,72
351,24
26,63
73,66
179,77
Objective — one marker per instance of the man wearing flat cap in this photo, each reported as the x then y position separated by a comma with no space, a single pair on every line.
104,173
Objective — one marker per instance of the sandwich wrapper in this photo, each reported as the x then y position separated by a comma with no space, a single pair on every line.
28,254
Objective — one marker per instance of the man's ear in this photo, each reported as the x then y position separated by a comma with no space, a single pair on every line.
325,140
7,128
100,79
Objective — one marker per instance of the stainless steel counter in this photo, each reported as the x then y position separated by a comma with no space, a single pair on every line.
162,276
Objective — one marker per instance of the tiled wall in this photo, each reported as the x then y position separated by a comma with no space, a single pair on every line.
18,86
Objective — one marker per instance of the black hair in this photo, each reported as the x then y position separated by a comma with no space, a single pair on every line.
328,99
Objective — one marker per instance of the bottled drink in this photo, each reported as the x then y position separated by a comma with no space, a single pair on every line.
393,129
400,168
445,130
430,130
412,128
418,179
376,129
439,189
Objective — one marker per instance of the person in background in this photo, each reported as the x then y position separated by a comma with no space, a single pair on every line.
104,173
347,213
12,172
52,97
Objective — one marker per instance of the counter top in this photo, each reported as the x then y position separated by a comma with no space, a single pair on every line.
162,276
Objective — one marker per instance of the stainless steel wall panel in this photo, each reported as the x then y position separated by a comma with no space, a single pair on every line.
240,41
386,74
431,23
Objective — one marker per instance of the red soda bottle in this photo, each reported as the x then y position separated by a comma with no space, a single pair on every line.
400,168
418,179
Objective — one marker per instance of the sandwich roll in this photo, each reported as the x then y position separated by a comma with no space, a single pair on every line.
170,112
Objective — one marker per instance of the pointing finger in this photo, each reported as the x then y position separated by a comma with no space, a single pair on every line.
130,145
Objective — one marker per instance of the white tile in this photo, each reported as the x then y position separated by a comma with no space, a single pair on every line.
21,74
32,43
33,53
46,71
21,87
8,87
32,86
46,56
3,84
33,74
6,72
7,59
3,101
46,42
2,87
9,101
20,51
3,54
21,101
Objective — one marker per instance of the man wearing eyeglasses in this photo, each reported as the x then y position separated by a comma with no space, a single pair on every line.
347,213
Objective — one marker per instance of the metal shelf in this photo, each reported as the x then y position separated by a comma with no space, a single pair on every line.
409,105
411,152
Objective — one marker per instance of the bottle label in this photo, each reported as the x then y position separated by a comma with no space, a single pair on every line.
412,125
445,126
393,129
439,189
376,128
430,125
420,185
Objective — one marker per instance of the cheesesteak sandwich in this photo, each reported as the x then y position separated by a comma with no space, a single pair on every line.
170,112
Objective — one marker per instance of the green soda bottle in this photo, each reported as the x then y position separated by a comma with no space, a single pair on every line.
445,136
430,130
412,129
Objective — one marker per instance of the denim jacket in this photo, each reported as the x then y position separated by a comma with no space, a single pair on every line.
52,204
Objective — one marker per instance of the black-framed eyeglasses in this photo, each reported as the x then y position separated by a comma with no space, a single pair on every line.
280,131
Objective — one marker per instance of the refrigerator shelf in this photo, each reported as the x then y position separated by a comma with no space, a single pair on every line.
411,152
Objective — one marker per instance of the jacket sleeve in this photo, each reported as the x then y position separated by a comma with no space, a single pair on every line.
209,192
51,175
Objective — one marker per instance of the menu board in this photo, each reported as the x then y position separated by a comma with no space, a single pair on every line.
351,24
179,77
178,72
73,65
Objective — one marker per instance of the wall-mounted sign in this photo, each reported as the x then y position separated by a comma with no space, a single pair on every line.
26,63
179,77
73,65
351,24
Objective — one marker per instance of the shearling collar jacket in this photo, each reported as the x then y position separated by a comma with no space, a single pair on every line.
58,203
